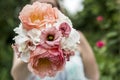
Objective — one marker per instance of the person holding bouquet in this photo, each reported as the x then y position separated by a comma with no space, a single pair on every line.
50,46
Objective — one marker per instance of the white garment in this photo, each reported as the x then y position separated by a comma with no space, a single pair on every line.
73,70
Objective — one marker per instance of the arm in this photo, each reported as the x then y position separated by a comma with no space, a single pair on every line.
19,69
89,62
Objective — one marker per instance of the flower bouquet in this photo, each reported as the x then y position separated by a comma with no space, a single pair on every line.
45,40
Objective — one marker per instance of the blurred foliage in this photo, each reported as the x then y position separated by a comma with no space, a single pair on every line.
8,20
107,30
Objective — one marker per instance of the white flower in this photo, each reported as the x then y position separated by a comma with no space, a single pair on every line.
21,38
71,42
61,19
25,55
21,41
34,35
19,30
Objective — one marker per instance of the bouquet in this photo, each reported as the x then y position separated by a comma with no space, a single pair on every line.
45,40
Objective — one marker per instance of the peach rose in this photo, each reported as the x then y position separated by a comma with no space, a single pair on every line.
37,15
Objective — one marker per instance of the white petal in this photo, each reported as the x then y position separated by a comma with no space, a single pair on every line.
20,39
34,35
70,43
19,30
25,56
62,18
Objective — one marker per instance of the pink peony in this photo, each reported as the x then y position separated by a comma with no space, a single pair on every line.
37,15
100,44
99,18
50,37
46,62
65,29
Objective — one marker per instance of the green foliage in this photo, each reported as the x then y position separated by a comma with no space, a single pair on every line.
107,30
8,20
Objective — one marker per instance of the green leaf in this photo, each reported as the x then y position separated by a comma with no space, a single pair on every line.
111,34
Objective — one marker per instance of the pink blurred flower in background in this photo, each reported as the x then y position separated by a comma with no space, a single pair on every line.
100,44
99,18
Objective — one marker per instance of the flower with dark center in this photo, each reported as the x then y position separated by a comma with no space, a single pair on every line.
50,37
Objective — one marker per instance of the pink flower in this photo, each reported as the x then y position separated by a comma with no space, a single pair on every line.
37,15
46,62
50,37
67,54
65,29
99,18
100,44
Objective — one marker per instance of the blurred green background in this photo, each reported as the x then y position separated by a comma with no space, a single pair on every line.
99,21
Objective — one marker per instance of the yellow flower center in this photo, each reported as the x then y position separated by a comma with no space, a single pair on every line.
36,16
50,37
44,64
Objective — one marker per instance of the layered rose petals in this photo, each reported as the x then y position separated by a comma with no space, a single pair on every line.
65,29
50,37
46,62
37,15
